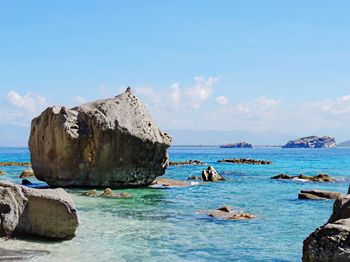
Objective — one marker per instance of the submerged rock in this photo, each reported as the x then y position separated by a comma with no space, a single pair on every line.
246,161
92,192
109,193
2,173
237,145
227,213
194,178
318,194
20,255
185,163
111,142
210,174
27,173
331,242
167,182
317,178
48,213
312,142
26,182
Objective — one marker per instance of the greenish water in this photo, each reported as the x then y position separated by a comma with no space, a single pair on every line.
165,225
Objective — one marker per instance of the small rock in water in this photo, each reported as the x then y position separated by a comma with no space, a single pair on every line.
26,182
245,161
210,174
27,173
317,178
194,178
20,255
227,213
109,193
2,173
92,192
318,194
184,163
15,164
167,182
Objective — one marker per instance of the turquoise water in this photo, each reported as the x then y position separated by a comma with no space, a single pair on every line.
165,225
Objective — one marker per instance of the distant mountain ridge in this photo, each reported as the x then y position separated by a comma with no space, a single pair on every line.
344,144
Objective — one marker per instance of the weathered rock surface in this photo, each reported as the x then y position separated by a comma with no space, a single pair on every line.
112,142
226,213
210,174
167,182
185,163
48,213
312,142
318,194
246,161
317,178
237,145
331,242
27,173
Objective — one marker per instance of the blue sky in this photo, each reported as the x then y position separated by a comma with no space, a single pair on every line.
220,65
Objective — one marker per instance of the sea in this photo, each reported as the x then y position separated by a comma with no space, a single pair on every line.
168,224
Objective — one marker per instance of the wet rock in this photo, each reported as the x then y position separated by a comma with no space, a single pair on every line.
106,143
226,213
210,174
27,173
312,142
318,194
26,182
167,182
92,192
109,193
20,255
188,162
237,145
2,173
194,178
47,213
317,178
15,164
246,161
331,242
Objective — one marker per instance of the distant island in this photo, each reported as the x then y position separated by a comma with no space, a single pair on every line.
344,144
237,145
312,142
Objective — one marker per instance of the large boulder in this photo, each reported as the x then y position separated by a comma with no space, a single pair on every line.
331,242
48,213
211,175
318,194
111,142
312,142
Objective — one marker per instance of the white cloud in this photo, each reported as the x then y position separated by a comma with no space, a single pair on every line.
29,102
222,100
79,100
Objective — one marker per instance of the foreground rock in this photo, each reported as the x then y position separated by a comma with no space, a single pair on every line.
15,164
246,161
331,242
318,194
317,178
211,175
237,145
227,213
312,142
48,213
185,163
20,255
111,142
28,173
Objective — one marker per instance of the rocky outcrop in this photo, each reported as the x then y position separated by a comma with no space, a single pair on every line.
318,194
237,145
226,213
27,173
312,142
15,164
185,163
112,142
245,161
317,178
211,175
48,213
331,242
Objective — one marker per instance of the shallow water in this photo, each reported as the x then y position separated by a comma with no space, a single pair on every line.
165,225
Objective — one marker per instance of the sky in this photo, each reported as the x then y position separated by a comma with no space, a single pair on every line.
254,67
